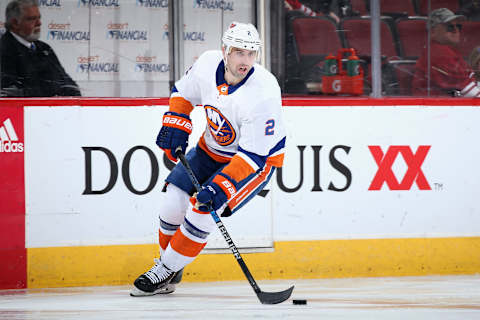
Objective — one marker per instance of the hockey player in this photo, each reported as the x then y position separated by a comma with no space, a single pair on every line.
243,142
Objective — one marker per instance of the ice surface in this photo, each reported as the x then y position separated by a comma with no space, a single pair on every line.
412,298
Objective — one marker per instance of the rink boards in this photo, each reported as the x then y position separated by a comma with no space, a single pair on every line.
368,188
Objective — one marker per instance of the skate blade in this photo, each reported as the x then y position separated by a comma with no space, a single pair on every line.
169,288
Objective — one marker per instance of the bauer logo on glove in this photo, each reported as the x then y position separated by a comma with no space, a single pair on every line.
177,122
228,187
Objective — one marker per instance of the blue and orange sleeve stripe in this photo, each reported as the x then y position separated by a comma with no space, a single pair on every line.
179,104
245,163
238,169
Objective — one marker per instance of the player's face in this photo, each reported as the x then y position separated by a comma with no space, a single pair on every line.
28,26
240,61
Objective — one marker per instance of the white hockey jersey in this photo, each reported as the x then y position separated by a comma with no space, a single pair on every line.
244,119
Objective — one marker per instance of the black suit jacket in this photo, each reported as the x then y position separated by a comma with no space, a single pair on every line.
32,73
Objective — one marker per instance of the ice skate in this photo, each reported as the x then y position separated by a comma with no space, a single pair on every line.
177,278
154,281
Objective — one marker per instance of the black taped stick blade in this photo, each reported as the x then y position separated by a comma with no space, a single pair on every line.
274,297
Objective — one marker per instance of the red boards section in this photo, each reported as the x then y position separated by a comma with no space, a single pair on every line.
13,258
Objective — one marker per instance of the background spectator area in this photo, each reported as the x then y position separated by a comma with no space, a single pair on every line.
403,37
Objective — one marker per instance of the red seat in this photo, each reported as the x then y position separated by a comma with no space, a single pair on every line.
412,35
314,39
315,36
357,35
435,4
359,6
470,37
397,7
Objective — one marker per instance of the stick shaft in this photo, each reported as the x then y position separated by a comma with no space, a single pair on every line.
221,226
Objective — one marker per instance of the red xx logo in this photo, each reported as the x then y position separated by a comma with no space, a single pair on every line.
385,161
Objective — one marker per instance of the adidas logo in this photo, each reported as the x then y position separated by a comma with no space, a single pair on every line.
8,138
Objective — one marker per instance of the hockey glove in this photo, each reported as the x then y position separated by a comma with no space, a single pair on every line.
217,192
174,133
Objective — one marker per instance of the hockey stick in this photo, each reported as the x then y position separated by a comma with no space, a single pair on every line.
264,297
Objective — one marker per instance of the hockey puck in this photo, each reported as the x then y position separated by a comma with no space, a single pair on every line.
299,301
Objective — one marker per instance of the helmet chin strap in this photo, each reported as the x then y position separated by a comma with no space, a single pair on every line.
227,50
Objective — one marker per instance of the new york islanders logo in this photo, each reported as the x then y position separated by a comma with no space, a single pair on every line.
221,130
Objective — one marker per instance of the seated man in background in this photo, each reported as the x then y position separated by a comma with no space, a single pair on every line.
449,72
29,67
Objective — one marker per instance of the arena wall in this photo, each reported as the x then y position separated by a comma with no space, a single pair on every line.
370,187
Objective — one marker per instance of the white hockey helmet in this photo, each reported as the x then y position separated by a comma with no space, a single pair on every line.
241,35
